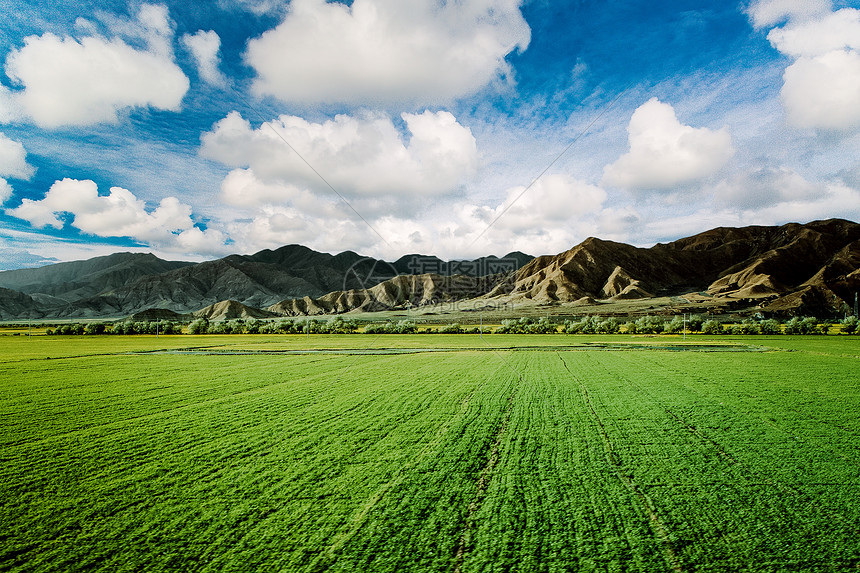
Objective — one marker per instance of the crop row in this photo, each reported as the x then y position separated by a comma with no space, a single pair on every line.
538,460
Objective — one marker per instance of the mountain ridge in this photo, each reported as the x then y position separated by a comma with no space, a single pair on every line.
787,269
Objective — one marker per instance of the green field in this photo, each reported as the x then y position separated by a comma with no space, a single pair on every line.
429,453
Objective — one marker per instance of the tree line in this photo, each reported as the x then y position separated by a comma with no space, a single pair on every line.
525,325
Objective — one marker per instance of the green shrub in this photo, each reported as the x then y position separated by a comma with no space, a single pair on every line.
712,327
649,325
850,325
199,326
694,323
770,326
674,326
94,328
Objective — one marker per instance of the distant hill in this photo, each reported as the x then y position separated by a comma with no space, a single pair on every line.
788,269
77,280
401,291
230,310
125,284
811,268
785,270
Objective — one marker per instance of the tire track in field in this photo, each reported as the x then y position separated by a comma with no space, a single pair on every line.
481,486
798,493
686,424
167,411
357,521
753,416
657,525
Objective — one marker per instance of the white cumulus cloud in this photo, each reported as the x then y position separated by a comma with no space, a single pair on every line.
363,156
67,81
387,51
824,91
10,109
766,13
204,46
821,88
664,153
119,214
553,199
834,31
13,159
5,190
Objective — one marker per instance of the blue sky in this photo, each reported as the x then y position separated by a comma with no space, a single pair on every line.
398,126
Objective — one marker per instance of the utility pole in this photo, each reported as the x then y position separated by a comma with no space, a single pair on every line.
685,325
482,325
855,305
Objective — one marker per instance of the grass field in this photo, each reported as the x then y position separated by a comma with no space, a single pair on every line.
429,453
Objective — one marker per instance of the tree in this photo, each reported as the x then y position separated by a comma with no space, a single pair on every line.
199,326
770,326
94,328
649,325
850,325
675,326
809,325
712,327
608,326
694,323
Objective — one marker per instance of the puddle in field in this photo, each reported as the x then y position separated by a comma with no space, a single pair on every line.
585,346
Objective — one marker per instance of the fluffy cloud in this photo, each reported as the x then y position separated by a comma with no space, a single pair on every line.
204,46
824,92
834,31
821,89
5,190
363,156
552,200
119,214
766,13
13,159
386,51
82,82
551,216
665,153
13,163
10,110
273,226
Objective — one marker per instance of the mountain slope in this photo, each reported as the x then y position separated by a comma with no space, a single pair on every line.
125,284
15,304
230,309
811,268
76,280
399,292
820,259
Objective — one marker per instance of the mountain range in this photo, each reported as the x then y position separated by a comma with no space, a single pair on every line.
811,268
124,284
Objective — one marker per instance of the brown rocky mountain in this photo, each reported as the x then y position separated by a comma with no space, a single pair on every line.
230,310
811,268
125,284
398,292
790,269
